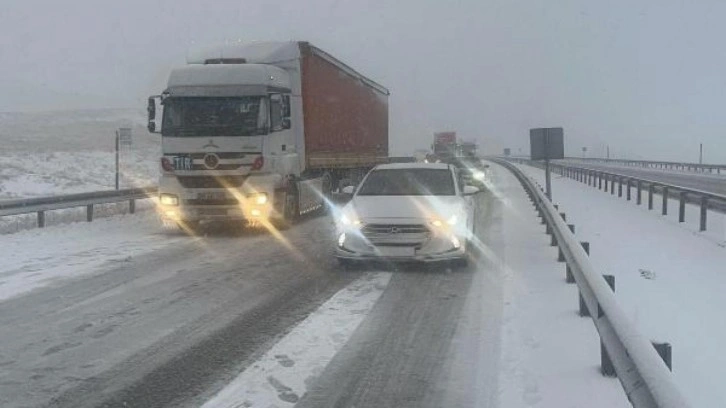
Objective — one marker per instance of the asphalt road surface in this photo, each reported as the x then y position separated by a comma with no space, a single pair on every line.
170,328
700,181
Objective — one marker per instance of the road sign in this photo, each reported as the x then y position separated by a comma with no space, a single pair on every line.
546,143
124,136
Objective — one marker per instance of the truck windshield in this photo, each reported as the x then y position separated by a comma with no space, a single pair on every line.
237,116
408,182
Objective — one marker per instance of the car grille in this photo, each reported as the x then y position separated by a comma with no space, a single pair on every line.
396,234
211,181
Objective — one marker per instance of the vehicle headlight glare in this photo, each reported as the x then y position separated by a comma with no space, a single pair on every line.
437,223
452,220
169,199
341,239
260,198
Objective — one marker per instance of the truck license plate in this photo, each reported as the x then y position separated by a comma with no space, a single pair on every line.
212,196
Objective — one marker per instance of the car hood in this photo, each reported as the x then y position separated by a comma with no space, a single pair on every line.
372,207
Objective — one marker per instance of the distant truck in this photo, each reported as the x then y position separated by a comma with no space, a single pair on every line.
444,146
468,149
264,131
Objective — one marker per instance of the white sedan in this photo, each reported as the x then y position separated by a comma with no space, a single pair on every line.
407,212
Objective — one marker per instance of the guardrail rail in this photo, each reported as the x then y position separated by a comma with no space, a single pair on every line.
40,205
644,376
608,180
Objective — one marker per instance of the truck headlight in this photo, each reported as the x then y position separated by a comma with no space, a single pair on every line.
259,198
168,199
480,175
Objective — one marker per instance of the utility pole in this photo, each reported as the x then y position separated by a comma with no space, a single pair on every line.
700,155
608,154
117,159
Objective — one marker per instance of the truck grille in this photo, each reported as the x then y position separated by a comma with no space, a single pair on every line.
211,181
226,201
396,234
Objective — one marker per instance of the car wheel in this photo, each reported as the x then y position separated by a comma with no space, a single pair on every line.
347,264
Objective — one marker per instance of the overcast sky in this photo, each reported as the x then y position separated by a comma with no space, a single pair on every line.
647,78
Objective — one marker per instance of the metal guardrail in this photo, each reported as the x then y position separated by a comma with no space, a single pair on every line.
643,375
697,167
40,205
601,179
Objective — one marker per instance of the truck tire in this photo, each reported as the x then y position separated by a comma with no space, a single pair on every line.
327,193
292,206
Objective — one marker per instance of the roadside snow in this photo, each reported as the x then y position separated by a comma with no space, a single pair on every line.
669,277
41,257
550,355
282,375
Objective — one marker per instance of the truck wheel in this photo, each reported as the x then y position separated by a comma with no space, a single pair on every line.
292,206
327,193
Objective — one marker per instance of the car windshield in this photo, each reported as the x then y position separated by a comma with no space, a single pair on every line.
239,116
408,182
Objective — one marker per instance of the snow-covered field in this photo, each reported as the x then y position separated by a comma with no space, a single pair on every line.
669,277
63,152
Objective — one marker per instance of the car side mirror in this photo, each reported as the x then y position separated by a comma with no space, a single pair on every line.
470,190
286,123
348,190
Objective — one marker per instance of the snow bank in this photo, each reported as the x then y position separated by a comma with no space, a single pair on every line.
669,277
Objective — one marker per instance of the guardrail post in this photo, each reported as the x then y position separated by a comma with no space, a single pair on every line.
682,207
584,311
704,207
651,190
132,205
599,180
628,188
41,219
665,200
639,186
606,365
568,272
612,185
666,353
89,212
620,186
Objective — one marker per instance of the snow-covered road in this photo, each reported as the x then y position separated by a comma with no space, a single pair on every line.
116,313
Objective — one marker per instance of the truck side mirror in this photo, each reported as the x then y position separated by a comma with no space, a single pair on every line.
151,110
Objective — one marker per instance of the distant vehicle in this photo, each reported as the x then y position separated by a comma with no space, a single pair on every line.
445,145
264,131
404,212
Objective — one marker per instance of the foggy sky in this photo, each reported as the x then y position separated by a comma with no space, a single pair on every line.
647,79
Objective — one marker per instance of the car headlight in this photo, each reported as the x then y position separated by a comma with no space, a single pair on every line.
168,199
479,175
349,221
453,220
259,198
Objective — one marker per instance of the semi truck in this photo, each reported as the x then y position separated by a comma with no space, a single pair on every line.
264,132
444,146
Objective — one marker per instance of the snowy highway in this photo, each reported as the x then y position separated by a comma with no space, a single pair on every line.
116,313
713,183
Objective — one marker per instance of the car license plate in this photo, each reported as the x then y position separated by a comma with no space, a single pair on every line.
212,196
396,251
182,163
